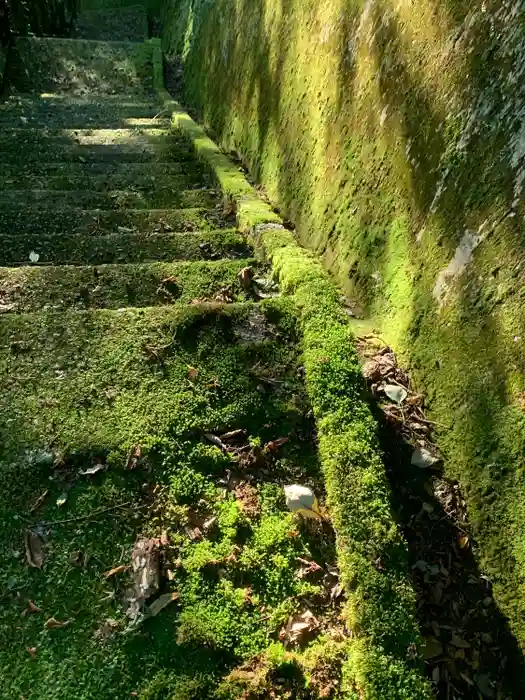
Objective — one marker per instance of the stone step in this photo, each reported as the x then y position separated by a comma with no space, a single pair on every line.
117,199
153,185
79,67
57,112
113,24
27,146
98,222
34,288
62,175
99,378
122,247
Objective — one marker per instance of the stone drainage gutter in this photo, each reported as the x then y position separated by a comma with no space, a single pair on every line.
384,658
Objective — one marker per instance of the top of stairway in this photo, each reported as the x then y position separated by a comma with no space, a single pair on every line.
113,24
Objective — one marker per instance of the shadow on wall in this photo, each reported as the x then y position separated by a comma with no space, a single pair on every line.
391,136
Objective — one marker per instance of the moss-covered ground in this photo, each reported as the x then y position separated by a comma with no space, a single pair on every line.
391,136
147,395
81,389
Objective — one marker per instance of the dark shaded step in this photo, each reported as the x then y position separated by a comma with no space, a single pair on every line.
34,288
113,24
117,199
102,112
122,247
25,146
153,185
97,222
44,65
41,175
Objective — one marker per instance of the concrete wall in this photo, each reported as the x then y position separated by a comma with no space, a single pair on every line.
391,133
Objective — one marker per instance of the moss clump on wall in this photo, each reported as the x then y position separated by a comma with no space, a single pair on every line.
391,134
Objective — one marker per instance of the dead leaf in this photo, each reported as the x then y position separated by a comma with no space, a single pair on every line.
193,373
233,435
299,627
52,623
162,602
459,642
216,441
245,277
463,541
34,549
39,501
395,393
106,630
116,570
164,538
95,469
146,562
274,445
31,651
432,648
423,459
133,457
33,608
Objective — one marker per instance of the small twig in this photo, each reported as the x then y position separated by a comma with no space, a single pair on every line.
85,517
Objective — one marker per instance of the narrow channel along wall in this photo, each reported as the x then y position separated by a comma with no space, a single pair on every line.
391,133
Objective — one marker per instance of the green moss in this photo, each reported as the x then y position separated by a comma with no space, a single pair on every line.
116,286
384,146
80,67
98,392
381,607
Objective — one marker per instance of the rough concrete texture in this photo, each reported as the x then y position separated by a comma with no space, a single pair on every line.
391,133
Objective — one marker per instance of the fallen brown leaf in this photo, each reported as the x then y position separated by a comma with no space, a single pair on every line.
33,608
31,651
274,445
34,549
39,501
133,457
52,623
116,570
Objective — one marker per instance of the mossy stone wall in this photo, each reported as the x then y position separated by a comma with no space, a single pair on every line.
390,132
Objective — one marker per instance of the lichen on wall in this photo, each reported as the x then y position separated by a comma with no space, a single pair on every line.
390,132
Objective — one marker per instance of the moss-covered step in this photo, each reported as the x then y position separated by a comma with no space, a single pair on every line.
40,65
113,24
86,388
19,146
33,222
101,176
59,111
117,199
154,186
37,287
123,247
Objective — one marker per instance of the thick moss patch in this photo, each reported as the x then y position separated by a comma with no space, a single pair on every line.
115,286
386,136
123,247
83,388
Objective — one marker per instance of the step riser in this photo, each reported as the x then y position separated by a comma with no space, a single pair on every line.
122,248
27,146
31,289
99,223
46,199
132,172
76,180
